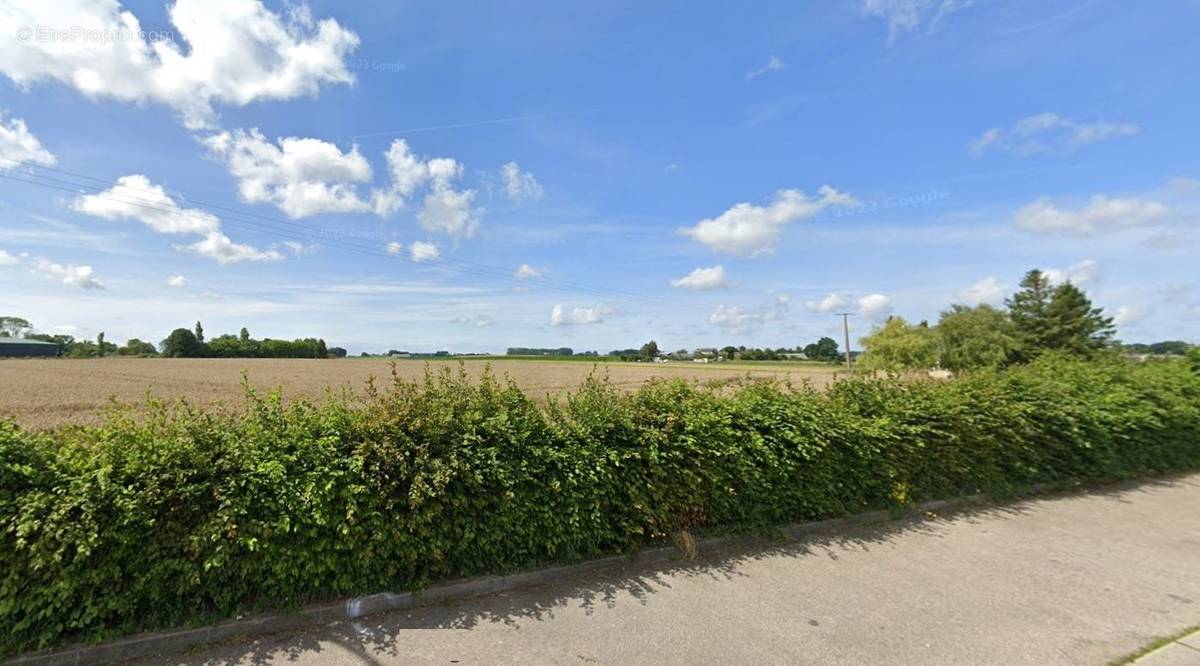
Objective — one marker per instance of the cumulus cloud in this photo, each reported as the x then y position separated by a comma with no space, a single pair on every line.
1100,215
1080,273
408,173
218,247
449,211
421,251
394,248
176,281
298,249
79,277
748,230
233,52
908,15
18,144
988,291
831,303
579,316
774,64
875,306
703,279
734,319
525,271
299,176
7,259
519,185
478,321
1047,133
1130,315
134,197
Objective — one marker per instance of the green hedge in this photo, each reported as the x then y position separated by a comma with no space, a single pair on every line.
180,515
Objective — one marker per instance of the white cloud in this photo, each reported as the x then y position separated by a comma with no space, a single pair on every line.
218,247
232,52
176,281
478,321
989,291
749,230
831,303
1080,273
519,185
525,271
7,259
299,176
560,316
774,64
394,248
408,172
733,319
875,306
18,144
448,211
421,251
703,279
298,249
908,15
134,197
1047,133
1130,315
80,277
1101,214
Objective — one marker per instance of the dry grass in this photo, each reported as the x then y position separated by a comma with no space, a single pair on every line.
43,393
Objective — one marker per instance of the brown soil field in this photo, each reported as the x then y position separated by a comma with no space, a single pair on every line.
44,393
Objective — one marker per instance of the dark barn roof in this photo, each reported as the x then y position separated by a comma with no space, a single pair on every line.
22,347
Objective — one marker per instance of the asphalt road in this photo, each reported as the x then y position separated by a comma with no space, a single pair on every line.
1071,579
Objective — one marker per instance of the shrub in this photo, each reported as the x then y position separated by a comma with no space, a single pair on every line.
180,515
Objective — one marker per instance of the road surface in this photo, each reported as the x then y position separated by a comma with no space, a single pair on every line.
1079,578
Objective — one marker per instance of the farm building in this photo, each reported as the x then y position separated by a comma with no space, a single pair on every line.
22,348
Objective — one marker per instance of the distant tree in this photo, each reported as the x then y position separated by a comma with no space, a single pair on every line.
181,343
244,335
1166,347
100,344
1074,325
729,352
64,342
898,345
14,327
199,333
337,352
975,337
1056,318
825,349
649,350
1027,311
136,347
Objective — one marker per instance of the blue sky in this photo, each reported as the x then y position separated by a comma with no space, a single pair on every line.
472,176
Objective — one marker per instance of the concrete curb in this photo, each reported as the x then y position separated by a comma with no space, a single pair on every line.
176,641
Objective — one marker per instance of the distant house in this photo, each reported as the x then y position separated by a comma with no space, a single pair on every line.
22,348
706,352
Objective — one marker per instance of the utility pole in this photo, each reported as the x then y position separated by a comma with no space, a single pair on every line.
846,328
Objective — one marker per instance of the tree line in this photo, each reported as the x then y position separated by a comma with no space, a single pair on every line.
180,343
1040,317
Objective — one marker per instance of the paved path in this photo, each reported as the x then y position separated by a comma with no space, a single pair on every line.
1072,579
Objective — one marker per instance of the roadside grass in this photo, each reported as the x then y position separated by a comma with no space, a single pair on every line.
1155,645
